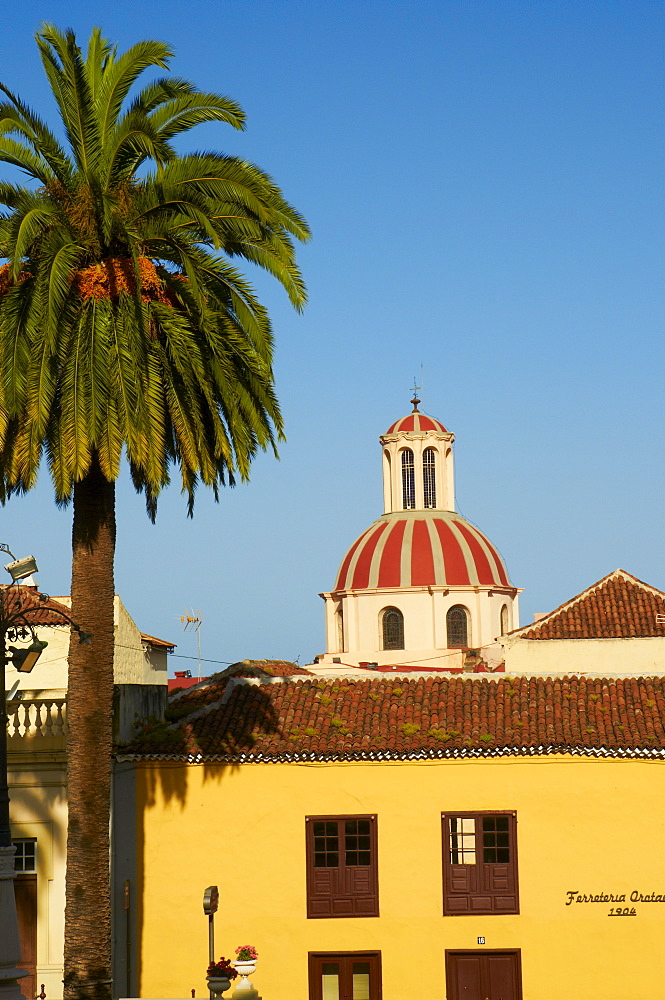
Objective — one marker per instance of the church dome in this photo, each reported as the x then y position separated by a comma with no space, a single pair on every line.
421,548
416,422
422,579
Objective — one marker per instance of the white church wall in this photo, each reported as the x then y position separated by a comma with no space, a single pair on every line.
425,628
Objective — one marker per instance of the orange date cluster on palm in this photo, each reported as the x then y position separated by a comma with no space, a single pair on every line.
114,275
6,280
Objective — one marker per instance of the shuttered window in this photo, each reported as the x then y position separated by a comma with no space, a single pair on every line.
480,863
342,878
354,975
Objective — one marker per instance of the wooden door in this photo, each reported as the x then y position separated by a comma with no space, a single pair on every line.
25,890
345,976
483,975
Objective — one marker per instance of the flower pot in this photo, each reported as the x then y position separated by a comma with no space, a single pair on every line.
245,969
218,984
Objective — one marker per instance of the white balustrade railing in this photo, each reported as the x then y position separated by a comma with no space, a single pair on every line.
35,718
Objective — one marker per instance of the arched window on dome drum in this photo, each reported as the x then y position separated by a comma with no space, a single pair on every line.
457,627
389,480
339,621
392,629
429,477
504,619
408,481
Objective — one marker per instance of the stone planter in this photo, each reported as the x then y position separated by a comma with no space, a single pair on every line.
218,984
245,990
245,969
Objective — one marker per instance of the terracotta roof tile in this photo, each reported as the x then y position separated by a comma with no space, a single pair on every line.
37,608
191,697
353,719
617,607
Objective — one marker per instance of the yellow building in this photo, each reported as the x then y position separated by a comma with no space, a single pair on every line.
460,837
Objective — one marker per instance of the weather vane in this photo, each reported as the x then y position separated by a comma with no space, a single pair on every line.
417,389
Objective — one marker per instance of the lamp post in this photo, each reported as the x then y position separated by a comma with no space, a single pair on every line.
17,606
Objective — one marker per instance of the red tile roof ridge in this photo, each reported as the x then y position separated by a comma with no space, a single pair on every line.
270,719
260,668
541,626
252,668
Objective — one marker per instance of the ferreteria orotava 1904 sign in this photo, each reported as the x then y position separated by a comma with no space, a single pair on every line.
575,896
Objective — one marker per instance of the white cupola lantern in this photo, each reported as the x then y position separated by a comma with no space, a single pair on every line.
418,464
422,586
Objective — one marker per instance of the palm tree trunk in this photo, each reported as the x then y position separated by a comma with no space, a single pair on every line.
89,742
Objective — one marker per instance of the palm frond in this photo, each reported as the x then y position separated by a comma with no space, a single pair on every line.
10,195
158,92
16,333
186,111
60,269
133,140
119,77
18,117
99,55
26,226
74,96
19,155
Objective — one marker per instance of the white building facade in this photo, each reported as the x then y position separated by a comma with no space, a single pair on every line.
37,775
422,585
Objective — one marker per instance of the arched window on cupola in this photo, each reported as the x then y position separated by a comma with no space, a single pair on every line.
388,480
408,481
429,477
339,623
457,627
392,629
504,619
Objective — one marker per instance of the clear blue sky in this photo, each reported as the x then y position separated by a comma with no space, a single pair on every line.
484,181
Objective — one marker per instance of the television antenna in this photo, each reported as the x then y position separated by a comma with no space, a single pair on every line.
192,622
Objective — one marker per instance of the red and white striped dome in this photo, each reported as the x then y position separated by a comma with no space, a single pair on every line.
417,422
420,549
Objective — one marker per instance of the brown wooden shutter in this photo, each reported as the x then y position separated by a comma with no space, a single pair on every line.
321,890
500,878
460,885
483,887
344,890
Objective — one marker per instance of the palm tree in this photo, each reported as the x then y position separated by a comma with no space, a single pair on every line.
124,325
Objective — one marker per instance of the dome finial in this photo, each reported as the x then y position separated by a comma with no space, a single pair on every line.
415,399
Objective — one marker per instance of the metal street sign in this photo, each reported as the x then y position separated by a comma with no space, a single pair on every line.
210,900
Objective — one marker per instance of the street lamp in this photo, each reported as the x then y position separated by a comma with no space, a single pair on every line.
18,605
